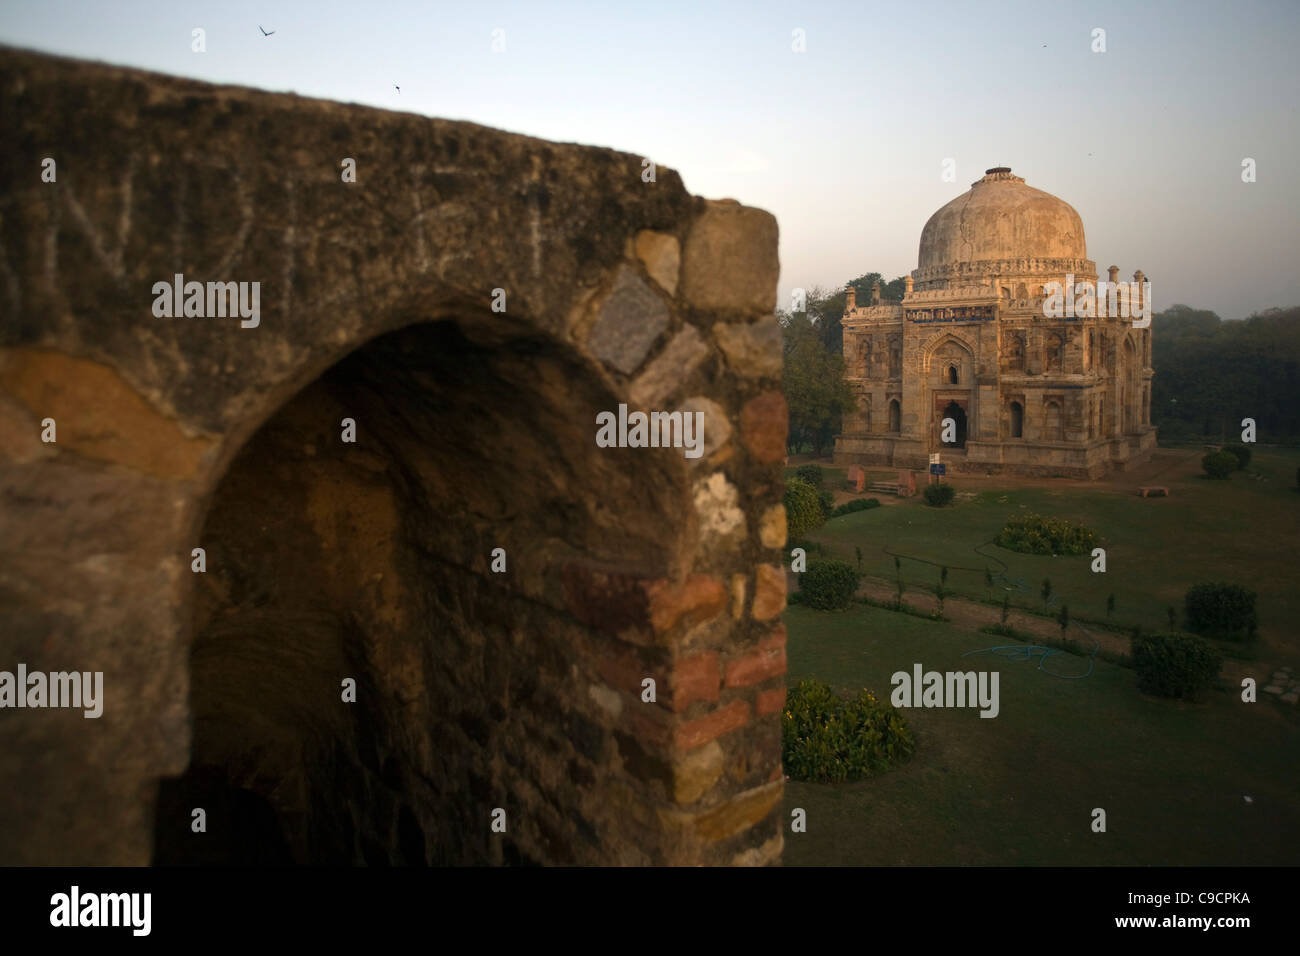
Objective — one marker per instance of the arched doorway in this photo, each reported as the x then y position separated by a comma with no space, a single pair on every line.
1017,420
368,684
895,416
958,415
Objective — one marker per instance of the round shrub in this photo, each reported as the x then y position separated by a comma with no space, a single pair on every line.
828,585
1175,665
803,509
1225,611
940,494
1036,534
1219,464
810,473
857,504
827,500
827,739
1241,451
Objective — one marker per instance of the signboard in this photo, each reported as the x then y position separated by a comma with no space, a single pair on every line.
938,469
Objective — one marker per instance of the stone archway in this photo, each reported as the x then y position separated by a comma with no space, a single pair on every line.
957,413
476,358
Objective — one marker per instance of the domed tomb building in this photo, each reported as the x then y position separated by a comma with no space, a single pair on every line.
972,341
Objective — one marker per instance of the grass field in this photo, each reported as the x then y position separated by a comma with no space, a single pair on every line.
1020,788
1243,531
1173,778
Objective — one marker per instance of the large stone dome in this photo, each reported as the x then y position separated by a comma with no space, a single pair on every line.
1000,218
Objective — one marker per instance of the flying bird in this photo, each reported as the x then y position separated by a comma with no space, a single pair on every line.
396,87
264,33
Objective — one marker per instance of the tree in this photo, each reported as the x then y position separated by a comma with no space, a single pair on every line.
1063,619
1047,591
815,390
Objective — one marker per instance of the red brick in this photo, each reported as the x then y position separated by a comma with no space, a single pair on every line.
695,678
769,592
763,424
770,701
696,733
700,598
765,661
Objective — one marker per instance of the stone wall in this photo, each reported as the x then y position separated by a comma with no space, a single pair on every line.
470,304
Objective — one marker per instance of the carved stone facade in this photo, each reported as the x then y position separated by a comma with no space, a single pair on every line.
972,342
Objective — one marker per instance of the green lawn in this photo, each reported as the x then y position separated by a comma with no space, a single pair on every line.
1243,531
1020,788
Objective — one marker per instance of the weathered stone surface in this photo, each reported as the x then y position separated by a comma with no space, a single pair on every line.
753,349
773,527
764,855
717,502
696,733
627,323
699,598
372,560
729,263
661,255
670,369
770,701
765,661
739,813
717,427
763,424
769,592
695,774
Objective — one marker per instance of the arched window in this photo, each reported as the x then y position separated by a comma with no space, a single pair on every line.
1053,423
952,374
895,416
1017,420
1016,352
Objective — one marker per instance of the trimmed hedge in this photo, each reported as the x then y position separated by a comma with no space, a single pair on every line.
827,739
939,495
1241,451
857,504
1219,464
826,498
1035,534
803,509
1175,665
828,585
1225,611
811,474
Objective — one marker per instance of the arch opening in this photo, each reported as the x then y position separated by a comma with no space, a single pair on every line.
1017,420
373,561
958,415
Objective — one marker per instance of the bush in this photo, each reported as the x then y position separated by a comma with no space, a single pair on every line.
939,495
1175,665
1035,534
857,504
803,509
827,501
810,473
1219,464
828,585
1225,611
1241,451
826,739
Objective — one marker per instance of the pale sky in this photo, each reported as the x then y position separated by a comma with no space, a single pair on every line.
843,143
